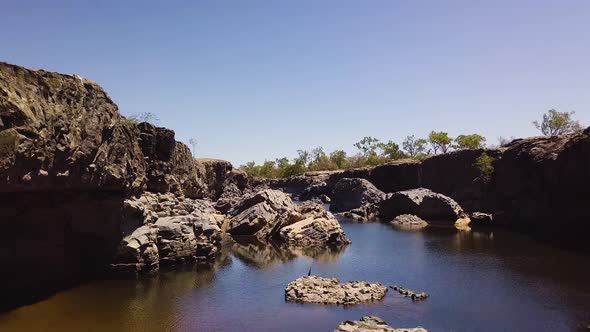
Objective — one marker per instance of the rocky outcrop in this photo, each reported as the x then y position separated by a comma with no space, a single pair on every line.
313,289
68,162
173,230
372,324
358,196
427,205
262,214
271,214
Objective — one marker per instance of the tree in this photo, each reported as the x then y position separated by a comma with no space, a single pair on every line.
440,141
391,150
338,157
485,165
368,145
557,123
251,169
414,147
193,143
473,141
267,170
144,117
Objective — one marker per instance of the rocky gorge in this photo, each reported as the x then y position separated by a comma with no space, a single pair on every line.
86,192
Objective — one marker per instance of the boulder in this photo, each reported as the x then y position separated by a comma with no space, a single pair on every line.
314,289
426,204
314,231
372,324
137,253
314,191
355,193
262,214
481,219
409,221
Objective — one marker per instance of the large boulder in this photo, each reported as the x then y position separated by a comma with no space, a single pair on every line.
356,194
424,203
262,214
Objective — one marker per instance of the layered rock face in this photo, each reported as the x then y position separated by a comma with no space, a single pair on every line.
68,161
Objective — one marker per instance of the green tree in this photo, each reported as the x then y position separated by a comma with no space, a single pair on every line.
485,165
251,169
339,159
414,147
368,145
440,141
391,150
267,170
557,123
473,141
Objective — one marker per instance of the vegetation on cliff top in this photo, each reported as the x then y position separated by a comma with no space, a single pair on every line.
373,152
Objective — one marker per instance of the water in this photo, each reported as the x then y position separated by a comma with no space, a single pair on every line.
478,281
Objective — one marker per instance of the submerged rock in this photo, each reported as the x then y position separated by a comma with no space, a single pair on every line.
314,289
416,296
426,204
358,195
372,324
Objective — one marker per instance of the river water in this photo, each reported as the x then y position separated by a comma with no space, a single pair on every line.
477,281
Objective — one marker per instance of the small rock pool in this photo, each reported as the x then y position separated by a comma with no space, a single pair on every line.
477,281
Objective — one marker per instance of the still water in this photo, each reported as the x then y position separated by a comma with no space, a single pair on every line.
477,281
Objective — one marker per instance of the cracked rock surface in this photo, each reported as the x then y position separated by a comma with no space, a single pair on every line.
314,289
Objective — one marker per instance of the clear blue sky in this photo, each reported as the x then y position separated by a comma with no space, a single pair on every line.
260,79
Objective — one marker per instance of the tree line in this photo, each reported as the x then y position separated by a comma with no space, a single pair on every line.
373,152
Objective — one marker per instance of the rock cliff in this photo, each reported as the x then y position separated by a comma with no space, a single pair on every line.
68,162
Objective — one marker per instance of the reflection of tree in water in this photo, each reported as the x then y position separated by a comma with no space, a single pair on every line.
263,254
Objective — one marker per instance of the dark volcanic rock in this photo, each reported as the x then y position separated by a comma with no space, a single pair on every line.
351,194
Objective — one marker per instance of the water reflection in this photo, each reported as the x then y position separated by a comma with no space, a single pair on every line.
263,254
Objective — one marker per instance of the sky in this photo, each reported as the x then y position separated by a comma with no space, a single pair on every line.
255,80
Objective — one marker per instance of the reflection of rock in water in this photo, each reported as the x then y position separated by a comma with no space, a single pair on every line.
253,251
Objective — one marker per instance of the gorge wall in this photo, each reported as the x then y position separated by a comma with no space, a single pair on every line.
540,185
68,160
